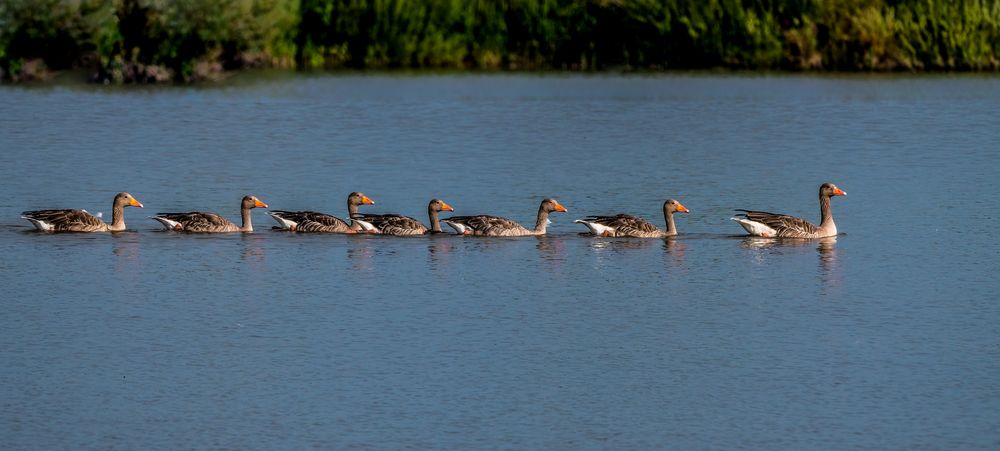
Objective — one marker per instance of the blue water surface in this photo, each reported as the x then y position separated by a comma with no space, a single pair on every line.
886,337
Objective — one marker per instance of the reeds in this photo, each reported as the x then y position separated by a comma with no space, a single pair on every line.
156,40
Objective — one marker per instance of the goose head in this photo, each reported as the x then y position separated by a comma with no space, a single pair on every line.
357,198
550,205
440,205
252,202
126,200
829,189
672,206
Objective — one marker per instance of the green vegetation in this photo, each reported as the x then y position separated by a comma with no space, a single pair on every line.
187,40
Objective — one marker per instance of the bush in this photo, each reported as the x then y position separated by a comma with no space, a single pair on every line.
60,34
186,40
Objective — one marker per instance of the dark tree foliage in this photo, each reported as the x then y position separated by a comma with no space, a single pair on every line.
183,40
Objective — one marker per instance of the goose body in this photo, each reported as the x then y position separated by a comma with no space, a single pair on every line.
74,220
625,225
204,222
310,221
486,225
315,222
399,225
774,225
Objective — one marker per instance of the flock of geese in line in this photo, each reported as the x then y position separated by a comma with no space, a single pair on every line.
756,223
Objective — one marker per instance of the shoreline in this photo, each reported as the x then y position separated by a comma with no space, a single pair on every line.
85,77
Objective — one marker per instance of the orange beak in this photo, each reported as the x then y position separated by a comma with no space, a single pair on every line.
134,203
366,201
257,203
446,207
682,208
560,208
839,192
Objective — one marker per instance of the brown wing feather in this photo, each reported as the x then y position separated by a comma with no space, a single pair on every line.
67,220
312,221
198,221
786,226
393,224
491,225
626,225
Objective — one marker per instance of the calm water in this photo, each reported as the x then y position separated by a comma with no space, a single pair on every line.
887,337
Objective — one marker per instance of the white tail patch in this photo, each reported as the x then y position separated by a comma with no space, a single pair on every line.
755,228
168,224
40,225
460,228
597,229
366,226
284,223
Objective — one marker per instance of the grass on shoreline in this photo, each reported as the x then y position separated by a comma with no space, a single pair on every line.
149,41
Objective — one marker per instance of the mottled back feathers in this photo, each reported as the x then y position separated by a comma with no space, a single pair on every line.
785,226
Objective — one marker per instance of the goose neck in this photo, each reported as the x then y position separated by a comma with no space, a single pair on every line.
668,217
432,215
543,220
117,217
247,220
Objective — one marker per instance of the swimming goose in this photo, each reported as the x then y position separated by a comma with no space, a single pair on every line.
81,220
201,222
484,225
400,225
311,221
631,226
772,225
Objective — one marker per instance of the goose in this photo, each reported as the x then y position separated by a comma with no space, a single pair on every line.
631,226
484,225
311,221
400,225
201,222
772,225
81,220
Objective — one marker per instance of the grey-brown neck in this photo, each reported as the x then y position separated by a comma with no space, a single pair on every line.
825,212
668,216
117,216
352,210
543,220
432,214
247,222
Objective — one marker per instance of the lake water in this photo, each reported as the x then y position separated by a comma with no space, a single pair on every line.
887,337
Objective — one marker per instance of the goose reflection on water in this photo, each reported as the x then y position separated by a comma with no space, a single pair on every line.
551,248
620,244
361,254
439,249
826,250
125,247
674,251
828,261
253,250
552,251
